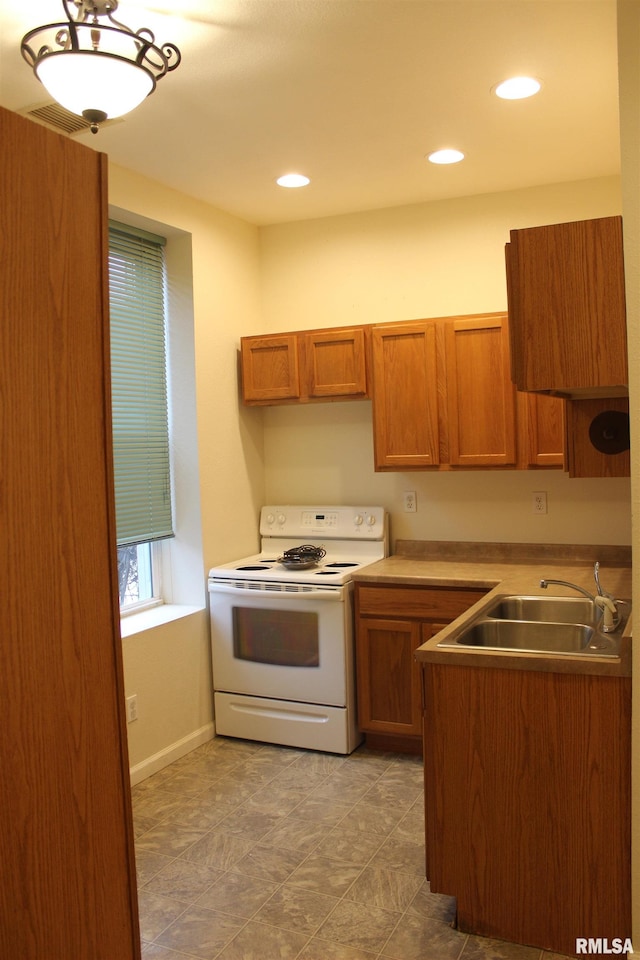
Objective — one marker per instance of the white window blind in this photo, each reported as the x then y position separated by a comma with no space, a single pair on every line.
139,385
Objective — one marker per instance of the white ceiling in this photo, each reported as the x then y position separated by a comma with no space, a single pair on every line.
355,93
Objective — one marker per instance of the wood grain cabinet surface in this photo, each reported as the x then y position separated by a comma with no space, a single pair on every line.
527,801
68,887
305,366
391,623
598,437
443,398
406,430
270,369
480,398
567,311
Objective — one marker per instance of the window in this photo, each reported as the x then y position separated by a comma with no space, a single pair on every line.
140,409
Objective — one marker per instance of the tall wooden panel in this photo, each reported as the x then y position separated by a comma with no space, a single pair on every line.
68,880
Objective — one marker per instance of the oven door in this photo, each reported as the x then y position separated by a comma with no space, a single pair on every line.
285,645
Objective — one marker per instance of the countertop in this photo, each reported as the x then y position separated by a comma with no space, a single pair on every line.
509,568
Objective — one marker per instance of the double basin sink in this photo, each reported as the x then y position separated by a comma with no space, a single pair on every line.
557,625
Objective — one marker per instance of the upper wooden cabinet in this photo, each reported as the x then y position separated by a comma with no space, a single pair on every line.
480,398
441,390
541,430
270,372
406,432
335,363
566,296
305,366
443,398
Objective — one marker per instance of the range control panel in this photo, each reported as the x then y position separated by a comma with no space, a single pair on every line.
343,523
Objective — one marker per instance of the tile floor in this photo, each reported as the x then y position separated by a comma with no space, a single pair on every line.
247,851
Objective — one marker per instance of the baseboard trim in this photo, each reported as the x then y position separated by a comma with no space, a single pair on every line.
146,768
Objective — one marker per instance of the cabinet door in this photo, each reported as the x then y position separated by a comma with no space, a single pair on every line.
541,430
480,397
405,396
389,695
270,368
335,362
565,285
598,438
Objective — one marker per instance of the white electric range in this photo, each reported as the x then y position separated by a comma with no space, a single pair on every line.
282,639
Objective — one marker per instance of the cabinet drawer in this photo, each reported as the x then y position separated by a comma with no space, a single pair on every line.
431,603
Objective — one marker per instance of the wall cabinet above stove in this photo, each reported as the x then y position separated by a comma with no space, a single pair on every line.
443,398
567,313
305,366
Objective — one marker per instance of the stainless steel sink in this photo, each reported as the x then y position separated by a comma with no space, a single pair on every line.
525,636
534,624
546,609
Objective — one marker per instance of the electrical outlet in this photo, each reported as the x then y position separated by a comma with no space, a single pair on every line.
540,501
132,708
410,502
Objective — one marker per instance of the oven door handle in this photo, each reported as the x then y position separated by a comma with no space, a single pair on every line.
269,596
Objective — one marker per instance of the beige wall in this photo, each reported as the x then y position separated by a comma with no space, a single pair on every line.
168,666
426,260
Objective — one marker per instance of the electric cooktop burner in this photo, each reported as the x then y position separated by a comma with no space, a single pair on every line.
302,544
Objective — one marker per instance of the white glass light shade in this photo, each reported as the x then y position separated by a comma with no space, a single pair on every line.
81,81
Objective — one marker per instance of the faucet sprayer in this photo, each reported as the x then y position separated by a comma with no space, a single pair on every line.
605,602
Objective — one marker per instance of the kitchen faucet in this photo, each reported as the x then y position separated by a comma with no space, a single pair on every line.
603,600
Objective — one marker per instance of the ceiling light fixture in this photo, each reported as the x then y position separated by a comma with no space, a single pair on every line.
446,156
292,180
517,88
95,69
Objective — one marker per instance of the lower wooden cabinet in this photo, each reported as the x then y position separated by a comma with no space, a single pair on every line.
391,623
527,801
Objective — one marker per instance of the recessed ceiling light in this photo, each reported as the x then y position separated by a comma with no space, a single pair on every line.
446,156
517,88
293,180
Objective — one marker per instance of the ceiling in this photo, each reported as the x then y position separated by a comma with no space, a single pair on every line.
354,93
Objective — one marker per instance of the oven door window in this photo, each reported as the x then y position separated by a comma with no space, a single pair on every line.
286,638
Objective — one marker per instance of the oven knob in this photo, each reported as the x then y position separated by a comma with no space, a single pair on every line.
371,520
358,519
270,518
281,518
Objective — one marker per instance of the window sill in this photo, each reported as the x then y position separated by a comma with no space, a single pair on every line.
155,617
